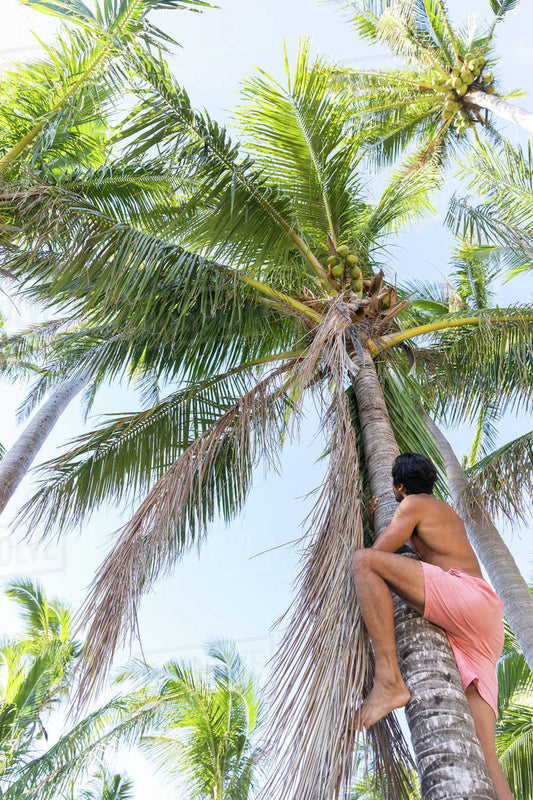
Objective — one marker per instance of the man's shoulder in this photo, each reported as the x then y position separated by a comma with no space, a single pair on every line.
416,500
423,503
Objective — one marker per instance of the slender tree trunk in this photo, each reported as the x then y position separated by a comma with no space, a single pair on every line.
449,757
18,459
492,550
501,108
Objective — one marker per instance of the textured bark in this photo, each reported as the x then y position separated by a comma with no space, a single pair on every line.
19,458
501,108
448,754
492,551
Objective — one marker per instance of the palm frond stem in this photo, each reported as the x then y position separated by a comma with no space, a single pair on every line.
392,339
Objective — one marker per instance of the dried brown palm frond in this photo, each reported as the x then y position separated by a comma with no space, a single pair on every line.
323,668
180,502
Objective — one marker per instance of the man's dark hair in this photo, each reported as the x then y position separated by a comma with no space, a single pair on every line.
415,472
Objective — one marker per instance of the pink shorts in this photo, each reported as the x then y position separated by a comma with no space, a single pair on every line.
471,613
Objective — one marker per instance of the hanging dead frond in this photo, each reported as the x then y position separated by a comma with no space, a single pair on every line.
323,668
182,501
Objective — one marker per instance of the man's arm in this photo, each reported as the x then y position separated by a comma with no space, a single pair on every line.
404,521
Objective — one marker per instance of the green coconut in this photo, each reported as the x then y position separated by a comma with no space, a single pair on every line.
351,260
343,250
337,270
357,286
332,260
356,273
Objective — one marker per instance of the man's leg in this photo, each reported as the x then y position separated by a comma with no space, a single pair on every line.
373,571
485,724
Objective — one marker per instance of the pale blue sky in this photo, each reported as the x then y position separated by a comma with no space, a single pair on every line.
226,591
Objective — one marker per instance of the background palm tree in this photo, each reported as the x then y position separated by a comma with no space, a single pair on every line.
106,785
197,725
514,731
447,88
35,674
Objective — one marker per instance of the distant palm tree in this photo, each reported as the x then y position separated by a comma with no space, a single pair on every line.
514,731
35,674
447,88
197,725
105,785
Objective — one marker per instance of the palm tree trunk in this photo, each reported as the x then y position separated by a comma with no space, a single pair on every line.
501,108
448,755
18,459
492,550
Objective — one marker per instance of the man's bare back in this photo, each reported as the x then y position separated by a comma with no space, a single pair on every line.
439,535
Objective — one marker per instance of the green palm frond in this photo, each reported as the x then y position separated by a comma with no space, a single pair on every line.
501,339
121,459
514,746
86,66
514,676
504,478
503,178
211,476
260,226
303,135
113,268
503,7
72,757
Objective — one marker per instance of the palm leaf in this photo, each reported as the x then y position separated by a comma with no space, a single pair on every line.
119,461
211,475
504,478
303,134
503,7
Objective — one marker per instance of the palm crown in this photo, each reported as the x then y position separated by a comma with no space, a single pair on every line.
444,91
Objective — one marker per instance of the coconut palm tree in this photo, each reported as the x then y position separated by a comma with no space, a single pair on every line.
197,725
447,89
273,258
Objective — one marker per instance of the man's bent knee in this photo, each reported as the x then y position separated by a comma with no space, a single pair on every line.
362,561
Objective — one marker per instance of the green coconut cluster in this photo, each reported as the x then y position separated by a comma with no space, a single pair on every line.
469,74
344,267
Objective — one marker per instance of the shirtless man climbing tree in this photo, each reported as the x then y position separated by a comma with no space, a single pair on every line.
446,587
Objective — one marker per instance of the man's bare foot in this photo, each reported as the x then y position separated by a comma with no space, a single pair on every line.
384,698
